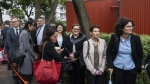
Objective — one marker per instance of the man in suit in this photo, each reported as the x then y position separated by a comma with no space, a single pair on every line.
3,32
12,39
40,33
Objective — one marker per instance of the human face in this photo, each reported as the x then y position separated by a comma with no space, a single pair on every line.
128,28
53,38
37,24
95,33
40,22
76,30
15,23
31,27
60,29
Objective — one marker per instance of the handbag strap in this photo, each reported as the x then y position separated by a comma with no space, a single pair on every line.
88,50
15,70
43,50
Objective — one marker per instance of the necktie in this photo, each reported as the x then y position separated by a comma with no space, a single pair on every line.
38,31
17,34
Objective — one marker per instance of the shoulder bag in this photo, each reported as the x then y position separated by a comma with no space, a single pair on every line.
46,72
81,59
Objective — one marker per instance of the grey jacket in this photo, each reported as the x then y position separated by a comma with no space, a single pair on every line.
26,47
12,41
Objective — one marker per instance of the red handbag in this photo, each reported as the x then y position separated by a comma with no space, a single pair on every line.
47,72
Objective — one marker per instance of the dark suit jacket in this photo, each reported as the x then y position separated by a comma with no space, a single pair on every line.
34,37
136,47
63,43
78,46
64,37
50,52
3,31
12,41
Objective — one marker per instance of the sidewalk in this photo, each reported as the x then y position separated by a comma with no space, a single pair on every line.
5,75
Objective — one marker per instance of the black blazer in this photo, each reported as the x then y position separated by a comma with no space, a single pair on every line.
136,47
63,37
34,37
50,52
78,46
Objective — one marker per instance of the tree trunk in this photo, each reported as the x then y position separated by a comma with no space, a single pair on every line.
1,19
82,16
37,9
52,12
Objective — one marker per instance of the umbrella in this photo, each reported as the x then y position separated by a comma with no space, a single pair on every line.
110,82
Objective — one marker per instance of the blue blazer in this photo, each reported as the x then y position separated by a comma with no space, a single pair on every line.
4,31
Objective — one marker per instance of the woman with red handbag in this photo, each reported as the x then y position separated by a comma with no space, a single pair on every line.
49,66
50,52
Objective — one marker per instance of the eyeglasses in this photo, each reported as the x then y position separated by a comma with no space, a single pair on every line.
130,27
76,29
39,20
14,21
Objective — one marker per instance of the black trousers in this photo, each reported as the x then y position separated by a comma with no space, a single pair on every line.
76,75
91,79
121,76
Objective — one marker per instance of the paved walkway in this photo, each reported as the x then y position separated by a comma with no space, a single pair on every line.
5,75
6,78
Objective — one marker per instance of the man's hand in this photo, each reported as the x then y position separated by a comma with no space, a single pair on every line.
15,65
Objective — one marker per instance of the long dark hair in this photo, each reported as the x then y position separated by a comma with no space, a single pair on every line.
122,22
47,35
30,22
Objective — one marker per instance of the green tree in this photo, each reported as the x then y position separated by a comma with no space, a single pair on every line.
27,7
4,4
45,8
52,11
16,12
21,8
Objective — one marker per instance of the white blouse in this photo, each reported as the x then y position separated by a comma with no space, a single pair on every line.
60,40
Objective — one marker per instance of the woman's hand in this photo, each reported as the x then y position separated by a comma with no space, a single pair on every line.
36,57
59,51
100,72
71,55
94,73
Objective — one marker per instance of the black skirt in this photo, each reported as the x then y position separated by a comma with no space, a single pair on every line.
27,77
